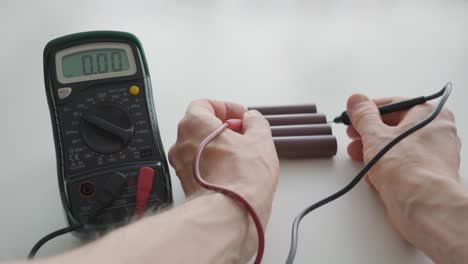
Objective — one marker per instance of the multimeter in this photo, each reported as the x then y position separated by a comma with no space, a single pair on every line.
105,128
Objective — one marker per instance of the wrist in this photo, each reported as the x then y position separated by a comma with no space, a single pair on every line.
236,219
410,191
442,220
430,211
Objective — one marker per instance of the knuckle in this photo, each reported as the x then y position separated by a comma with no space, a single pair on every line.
185,153
449,130
449,127
172,155
453,129
196,102
450,115
181,125
181,152
180,130
186,124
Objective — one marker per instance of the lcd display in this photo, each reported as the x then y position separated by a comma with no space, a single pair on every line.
94,61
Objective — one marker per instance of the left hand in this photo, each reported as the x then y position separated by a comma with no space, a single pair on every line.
245,162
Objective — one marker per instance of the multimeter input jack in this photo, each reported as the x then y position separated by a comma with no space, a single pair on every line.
87,189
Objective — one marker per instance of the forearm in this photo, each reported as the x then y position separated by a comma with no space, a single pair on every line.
207,229
433,213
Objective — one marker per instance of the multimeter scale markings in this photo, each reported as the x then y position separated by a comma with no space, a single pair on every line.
105,148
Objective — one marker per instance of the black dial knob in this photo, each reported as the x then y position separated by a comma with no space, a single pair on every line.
106,128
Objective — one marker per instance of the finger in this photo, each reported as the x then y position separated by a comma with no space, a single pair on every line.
387,100
253,122
221,110
364,115
391,119
352,132
355,150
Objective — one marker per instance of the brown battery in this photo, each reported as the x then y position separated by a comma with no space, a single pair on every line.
296,119
301,130
285,109
305,147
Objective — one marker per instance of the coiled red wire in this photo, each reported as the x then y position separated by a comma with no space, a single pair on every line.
231,194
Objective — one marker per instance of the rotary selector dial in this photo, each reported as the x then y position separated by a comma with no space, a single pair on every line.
106,128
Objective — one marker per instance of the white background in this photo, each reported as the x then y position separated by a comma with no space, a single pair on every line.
251,52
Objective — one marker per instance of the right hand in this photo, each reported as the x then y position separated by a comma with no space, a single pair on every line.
408,176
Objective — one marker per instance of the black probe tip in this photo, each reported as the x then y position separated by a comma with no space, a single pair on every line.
342,119
337,120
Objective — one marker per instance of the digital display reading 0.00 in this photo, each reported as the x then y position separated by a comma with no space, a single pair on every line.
96,61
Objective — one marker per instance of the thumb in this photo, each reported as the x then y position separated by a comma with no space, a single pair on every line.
253,122
364,115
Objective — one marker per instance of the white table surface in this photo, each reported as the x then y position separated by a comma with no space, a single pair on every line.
252,52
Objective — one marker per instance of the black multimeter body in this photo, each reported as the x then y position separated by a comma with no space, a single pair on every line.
104,124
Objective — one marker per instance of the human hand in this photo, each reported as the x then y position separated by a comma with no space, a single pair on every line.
418,178
435,148
244,162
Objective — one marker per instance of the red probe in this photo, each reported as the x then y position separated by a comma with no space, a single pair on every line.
235,125
144,186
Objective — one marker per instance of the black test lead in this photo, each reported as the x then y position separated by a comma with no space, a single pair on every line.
391,107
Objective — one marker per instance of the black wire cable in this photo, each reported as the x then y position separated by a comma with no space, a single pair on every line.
113,187
50,236
445,93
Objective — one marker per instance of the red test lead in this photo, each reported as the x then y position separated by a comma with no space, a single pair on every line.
144,186
235,125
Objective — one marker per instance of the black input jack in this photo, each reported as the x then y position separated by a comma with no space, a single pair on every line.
87,189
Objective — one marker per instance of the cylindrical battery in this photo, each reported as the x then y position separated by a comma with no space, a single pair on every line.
285,109
295,119
301,130
304,147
